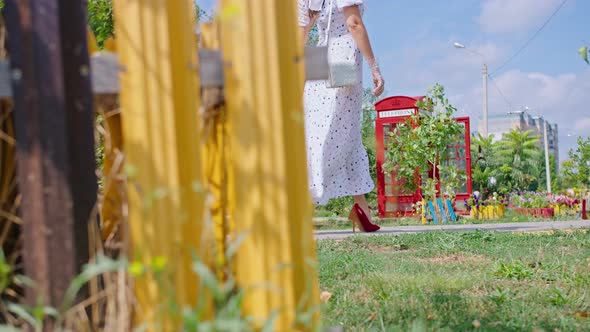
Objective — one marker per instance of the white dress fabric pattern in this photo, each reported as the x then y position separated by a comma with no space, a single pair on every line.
337,161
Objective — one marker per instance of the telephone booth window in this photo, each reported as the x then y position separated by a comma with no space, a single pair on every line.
459,154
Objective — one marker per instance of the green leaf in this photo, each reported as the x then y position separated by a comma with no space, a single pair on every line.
584,53
23,313
8,328
102,265
233,247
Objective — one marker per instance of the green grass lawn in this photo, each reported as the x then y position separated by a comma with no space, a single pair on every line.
449,281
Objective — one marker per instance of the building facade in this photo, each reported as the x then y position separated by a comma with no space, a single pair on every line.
499,124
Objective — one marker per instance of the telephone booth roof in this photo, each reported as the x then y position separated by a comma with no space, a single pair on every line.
397,102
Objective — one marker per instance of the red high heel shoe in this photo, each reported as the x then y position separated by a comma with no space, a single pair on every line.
358,217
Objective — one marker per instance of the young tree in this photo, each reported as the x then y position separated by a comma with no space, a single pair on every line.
584,53
422,141
575,171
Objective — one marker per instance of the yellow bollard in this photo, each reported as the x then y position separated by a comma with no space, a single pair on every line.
264,87
159,99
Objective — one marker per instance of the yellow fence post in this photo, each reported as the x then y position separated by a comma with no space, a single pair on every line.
264,86
159,99
216,152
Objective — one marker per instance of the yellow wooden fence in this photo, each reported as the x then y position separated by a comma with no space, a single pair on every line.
243,166
159,98
264,88
261,188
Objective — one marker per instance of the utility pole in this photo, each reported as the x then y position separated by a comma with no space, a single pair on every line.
484,87
485,99
547,167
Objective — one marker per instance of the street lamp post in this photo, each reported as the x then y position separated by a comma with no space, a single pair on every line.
546,147
547,167
485,85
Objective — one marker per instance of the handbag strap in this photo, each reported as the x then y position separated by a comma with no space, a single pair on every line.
329,19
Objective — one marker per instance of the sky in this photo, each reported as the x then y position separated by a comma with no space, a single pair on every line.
413,41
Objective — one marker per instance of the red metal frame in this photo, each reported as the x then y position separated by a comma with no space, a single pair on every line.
466,148
390,112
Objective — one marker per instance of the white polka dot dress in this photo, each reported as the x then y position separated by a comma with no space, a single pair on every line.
336,158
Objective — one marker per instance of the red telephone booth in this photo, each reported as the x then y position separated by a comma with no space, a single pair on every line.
393,201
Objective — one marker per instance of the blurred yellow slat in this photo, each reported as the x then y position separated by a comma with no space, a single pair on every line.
92,44
159,98
216,152
264,87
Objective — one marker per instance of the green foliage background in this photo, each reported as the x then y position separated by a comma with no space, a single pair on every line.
575,171
101,21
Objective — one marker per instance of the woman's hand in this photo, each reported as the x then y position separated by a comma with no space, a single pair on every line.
378,82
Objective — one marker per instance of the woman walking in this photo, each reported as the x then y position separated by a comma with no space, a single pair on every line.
337,161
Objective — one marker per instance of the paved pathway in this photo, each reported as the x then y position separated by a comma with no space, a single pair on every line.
508,227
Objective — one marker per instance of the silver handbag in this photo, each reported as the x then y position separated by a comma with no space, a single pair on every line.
342,61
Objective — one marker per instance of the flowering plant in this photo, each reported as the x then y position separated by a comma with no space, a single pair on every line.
530,199
472,201
564,201
496,199
417,207
476,201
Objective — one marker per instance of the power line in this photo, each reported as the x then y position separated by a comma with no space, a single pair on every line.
501,93
531,38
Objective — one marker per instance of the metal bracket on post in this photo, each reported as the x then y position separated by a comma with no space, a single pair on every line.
105,70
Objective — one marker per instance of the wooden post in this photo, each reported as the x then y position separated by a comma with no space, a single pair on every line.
264,94
159,101
54,135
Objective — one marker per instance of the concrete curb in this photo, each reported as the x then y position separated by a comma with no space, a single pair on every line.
537,226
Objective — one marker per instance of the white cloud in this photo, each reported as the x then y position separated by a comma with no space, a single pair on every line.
561,99
514,16
583,125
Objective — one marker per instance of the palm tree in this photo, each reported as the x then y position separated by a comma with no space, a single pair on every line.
518,156
482,149
482,167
